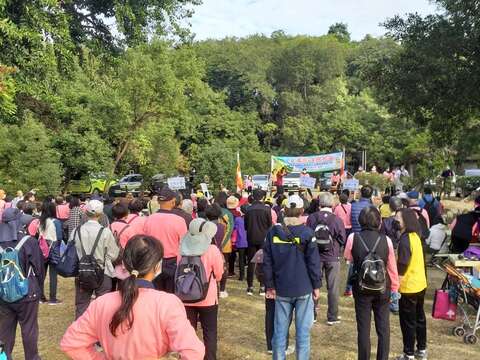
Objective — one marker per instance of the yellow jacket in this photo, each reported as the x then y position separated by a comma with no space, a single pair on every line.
410,254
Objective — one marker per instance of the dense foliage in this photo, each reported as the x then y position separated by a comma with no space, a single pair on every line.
89,86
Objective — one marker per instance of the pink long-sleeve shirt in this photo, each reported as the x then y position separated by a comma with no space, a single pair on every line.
160,326
212,261
344,212
391,262
168,228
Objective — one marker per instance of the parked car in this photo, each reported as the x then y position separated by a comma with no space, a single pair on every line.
89,184
467,184
261,181
131,183
291,181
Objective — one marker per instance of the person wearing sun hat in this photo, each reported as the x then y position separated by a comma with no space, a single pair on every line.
25,310
239,237
198,242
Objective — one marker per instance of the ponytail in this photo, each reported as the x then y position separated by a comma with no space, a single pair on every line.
142,254
129,294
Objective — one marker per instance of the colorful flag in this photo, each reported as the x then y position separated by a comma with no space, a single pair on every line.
239,179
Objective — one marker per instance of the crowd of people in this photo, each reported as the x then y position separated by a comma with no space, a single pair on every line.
159,267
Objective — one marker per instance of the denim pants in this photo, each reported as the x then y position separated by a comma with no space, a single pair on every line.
284,307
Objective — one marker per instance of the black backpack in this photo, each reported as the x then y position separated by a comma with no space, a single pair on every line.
424,230
90,274
323,236
372,278
431,210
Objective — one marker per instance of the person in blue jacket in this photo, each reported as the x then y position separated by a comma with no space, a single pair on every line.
291,267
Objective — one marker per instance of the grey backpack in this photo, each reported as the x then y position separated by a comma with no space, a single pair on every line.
191,281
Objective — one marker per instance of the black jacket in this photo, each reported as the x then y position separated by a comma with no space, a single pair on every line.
258,220
32,263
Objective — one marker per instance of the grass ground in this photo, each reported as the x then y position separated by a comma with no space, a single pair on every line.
241,334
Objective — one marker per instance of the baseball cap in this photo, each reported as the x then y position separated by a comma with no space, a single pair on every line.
413,195
295,201
166,194
94,207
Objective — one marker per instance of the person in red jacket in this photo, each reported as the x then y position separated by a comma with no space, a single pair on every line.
137,322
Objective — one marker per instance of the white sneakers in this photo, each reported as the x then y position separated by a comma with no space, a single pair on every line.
223,294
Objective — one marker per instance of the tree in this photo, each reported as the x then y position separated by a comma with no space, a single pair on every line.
27,158
340,31
434,77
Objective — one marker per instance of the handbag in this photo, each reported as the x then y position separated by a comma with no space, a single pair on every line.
443,308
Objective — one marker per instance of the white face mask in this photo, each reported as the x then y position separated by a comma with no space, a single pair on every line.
159,269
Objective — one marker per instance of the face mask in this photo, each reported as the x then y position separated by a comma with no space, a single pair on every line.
159,269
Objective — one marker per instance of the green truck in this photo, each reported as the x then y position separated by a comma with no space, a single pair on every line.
94,183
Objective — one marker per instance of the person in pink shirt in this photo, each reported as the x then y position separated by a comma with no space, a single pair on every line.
137,322
63,209
357,248
135,218
168,228
344,212
198,242
121,227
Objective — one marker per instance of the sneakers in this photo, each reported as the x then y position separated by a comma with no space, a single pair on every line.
334,322
405,357
348,293
55,302
290,350
223,294
421,354
250,291
261,292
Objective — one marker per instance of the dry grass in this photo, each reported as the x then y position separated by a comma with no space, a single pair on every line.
241,324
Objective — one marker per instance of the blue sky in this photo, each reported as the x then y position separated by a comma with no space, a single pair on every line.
220,18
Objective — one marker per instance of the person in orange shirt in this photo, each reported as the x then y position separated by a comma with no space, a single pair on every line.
198,242
137,322
168,228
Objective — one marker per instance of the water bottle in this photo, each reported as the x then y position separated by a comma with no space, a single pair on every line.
3,355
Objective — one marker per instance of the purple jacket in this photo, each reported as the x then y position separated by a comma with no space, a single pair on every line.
335,224
239,227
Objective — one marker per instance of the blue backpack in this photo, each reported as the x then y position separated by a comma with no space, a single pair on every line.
13,283
67,263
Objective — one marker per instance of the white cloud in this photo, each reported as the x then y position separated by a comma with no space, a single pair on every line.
220,18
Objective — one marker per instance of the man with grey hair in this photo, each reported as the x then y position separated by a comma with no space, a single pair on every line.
330,236
94,239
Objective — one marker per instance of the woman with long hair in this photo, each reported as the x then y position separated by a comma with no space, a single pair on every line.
136,322
50,228
413,284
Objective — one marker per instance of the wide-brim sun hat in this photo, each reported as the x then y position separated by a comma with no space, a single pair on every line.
232,202
199,237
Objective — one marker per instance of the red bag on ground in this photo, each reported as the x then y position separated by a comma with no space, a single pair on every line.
443,308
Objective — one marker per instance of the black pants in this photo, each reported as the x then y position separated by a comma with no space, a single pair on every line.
83,297
241,263
223,282
231,263
280,190
52,275
208,320
364,305
166,280
25,314
251,251
413,322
